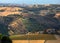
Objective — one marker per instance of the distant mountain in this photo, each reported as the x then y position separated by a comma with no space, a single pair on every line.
12,5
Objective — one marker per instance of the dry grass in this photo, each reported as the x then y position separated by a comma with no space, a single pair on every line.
10,10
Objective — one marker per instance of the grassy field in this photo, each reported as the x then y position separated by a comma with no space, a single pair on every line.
33,37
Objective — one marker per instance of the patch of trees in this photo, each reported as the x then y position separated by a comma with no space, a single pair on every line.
2,10
32,25
5,20
3,29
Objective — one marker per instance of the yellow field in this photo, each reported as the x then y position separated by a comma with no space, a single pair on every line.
28,41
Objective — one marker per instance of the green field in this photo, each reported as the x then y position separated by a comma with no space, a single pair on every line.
33,37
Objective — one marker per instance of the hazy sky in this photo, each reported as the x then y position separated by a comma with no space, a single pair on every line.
31,1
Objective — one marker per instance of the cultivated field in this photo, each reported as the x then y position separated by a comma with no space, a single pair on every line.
33,37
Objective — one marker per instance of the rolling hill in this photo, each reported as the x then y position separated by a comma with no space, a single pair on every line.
21,20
